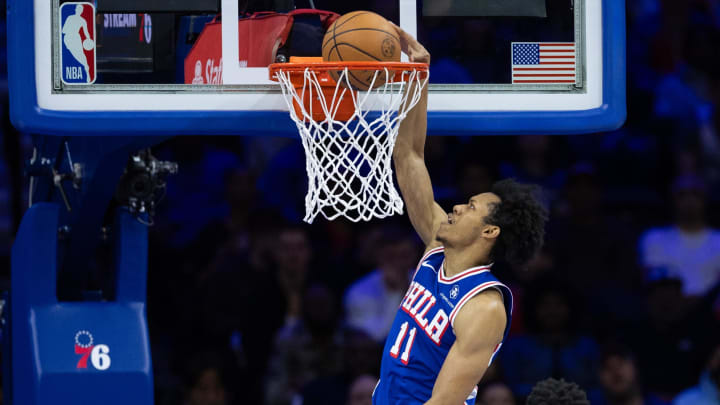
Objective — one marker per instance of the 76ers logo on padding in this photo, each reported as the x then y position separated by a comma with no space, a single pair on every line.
85,346
77,42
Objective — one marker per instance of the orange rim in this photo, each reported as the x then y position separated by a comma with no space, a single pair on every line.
320,67
345,106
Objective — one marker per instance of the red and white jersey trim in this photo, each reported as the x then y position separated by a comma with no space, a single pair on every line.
467,273
425,256
477,290
430,253
495,352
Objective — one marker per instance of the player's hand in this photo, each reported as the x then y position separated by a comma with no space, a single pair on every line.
412,48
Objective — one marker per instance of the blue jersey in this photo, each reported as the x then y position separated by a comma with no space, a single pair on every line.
422,333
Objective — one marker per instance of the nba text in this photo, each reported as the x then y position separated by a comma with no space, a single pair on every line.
74,73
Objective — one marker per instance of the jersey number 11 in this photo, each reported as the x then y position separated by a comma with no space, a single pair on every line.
395,349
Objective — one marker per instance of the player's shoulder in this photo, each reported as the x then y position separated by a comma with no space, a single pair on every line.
481,310
479,287
486,302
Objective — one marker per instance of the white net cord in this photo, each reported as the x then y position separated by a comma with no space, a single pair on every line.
349,162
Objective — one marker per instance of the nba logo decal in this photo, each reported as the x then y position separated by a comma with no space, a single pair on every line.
455,291
77,43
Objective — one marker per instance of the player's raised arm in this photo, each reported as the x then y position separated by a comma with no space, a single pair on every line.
408,155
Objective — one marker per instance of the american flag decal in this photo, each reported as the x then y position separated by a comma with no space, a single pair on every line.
543,63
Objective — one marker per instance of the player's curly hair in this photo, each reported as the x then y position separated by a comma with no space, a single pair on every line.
521,218
557,392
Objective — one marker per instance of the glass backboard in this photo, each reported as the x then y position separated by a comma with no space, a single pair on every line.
200,67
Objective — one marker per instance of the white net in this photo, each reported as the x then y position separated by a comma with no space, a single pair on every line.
348,160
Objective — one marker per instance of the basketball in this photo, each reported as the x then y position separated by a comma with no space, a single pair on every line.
361,36
88,44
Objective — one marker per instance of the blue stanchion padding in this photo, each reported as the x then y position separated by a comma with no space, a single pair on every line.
78,353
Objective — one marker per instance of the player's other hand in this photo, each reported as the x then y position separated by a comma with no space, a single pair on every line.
412,48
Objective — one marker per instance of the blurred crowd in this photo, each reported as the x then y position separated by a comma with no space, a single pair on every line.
248,305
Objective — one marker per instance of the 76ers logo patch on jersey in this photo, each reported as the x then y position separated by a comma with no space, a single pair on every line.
77,42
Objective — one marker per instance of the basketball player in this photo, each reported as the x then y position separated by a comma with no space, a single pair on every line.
71,37
455,314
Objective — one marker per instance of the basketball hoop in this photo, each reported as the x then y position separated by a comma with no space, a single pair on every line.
349,135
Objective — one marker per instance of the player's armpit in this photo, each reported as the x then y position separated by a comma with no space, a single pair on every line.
479,328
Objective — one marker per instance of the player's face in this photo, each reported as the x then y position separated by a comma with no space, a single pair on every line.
466,223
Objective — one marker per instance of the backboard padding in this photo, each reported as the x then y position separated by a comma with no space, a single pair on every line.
257,109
